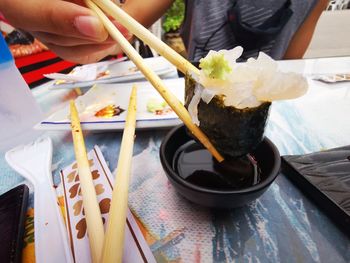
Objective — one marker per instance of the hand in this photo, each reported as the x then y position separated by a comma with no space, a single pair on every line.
68,28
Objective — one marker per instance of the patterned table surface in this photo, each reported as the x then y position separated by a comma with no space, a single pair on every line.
283,225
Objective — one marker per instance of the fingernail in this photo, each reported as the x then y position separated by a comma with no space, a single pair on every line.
90,26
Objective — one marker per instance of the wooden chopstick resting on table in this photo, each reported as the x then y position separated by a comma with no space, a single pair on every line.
146,36
92,210
114,239
157,83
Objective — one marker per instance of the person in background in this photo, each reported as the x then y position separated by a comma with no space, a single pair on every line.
280,28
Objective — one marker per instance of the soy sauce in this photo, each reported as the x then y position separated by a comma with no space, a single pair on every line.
196,165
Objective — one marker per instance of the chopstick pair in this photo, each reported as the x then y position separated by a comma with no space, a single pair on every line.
106,247
145,35
111,246
181,63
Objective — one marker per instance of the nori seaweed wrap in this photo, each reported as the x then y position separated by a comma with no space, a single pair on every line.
234,132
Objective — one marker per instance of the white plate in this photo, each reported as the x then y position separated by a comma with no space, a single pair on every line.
102,95
123,72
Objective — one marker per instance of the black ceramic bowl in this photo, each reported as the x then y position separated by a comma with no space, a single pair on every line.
266,154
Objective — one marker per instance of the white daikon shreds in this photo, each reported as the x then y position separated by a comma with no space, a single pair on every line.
243,85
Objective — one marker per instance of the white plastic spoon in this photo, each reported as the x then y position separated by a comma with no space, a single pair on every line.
33,161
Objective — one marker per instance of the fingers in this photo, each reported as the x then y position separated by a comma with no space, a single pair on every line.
49,38
60,40
68,28
84,54
54,16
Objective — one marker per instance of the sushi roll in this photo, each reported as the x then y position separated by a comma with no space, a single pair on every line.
230,101
234,132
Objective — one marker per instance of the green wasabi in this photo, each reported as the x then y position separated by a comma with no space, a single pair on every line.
154,104
215,66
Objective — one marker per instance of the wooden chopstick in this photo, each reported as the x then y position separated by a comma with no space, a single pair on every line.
92,210
114,239
157,83
146,36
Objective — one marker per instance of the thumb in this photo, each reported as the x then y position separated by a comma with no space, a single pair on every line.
54,16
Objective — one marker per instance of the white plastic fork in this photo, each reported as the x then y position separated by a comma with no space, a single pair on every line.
33,161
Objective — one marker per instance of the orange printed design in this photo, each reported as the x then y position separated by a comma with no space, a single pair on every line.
99,189
29,228
78,207
81,228
60,200
81,225
75,166
105,204
28,252
75,190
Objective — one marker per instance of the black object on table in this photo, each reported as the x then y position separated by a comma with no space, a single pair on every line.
266,155
325,177
13,208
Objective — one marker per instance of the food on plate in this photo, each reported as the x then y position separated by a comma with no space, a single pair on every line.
109,111
158,106
230,101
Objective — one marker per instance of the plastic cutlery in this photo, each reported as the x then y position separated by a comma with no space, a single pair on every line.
33,161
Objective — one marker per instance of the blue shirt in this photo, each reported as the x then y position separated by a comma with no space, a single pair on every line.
207,26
